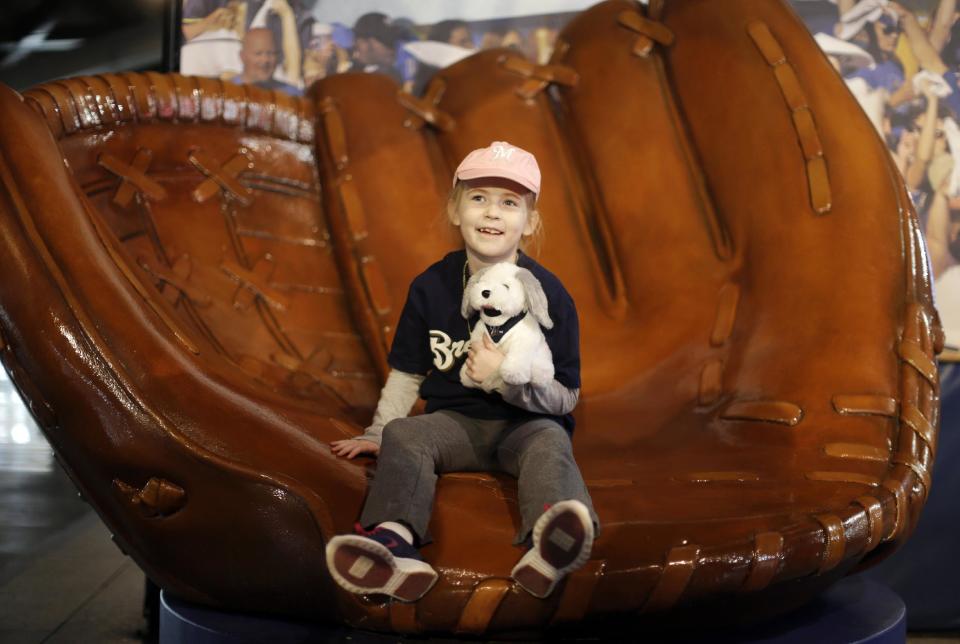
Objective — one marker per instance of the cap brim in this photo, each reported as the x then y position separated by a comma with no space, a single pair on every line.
477,173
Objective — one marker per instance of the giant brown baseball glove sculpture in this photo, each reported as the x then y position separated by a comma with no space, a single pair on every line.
201,280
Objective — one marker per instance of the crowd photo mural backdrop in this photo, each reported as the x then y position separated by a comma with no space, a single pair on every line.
900,60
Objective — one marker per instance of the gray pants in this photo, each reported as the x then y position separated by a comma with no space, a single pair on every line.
417,449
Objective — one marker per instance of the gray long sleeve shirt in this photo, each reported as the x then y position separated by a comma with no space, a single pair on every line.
402,389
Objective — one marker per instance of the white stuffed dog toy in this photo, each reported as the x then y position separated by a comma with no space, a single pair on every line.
512,307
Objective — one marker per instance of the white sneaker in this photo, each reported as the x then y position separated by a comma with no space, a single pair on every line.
562,540
379,563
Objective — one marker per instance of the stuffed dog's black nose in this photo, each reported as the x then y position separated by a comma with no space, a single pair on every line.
485,293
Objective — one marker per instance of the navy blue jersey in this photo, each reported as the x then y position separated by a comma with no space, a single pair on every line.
432,340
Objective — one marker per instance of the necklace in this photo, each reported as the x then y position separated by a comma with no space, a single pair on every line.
466,269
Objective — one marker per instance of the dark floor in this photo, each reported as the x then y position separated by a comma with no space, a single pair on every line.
62,579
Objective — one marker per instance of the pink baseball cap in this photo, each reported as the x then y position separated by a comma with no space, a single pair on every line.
501,159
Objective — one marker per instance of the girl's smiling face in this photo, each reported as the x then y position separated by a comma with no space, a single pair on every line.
493,215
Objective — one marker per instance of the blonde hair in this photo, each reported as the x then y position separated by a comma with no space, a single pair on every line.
533,241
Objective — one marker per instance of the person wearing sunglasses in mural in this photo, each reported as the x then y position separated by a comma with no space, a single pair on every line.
875,26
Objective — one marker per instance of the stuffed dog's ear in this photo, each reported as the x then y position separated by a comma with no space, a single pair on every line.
536,298
465,308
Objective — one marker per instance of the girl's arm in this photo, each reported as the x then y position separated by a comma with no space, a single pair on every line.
554,398
485,358
397,397
402,387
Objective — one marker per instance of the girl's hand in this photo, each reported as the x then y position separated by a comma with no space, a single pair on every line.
354,447
483,359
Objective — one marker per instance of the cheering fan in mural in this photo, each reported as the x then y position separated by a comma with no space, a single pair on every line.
876,26
319,54
220,26
847,58
931,141
259,57
375,45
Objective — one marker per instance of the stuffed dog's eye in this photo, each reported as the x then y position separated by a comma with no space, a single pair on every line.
506,286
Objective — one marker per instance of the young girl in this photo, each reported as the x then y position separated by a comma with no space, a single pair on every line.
523,430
